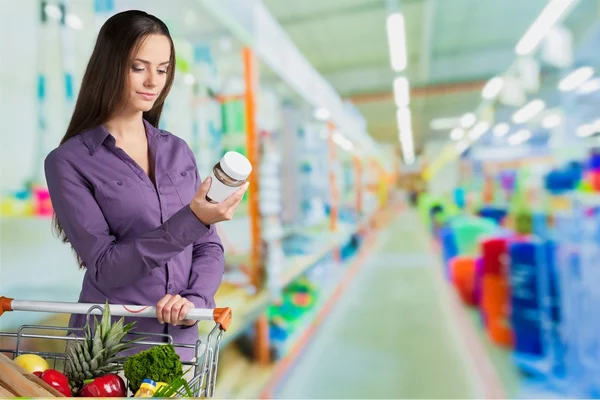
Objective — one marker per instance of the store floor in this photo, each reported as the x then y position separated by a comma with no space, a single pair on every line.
391,335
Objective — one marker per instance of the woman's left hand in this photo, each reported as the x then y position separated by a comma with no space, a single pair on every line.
173,309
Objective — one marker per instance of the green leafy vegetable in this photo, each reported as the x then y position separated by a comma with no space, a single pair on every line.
160,363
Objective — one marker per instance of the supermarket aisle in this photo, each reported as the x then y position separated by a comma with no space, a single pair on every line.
390,335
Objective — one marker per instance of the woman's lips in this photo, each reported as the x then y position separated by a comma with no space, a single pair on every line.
147,96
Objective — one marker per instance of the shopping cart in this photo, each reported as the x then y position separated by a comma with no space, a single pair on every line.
206,354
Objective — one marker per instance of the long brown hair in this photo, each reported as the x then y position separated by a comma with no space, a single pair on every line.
103,85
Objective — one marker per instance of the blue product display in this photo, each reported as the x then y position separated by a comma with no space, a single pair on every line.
530,313
496,214
449,247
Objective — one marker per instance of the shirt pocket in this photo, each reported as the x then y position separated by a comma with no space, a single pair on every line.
184,182
120,197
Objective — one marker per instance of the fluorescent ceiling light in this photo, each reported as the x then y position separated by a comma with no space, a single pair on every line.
549,16
528,111
519,137
586,130
551,121
442,124
74,22
493,88
396,41
575,79
590,86
468,120
403,119
457,133
478,130
322,114
341,141
401,92
501,129
407,146
53,11
405,134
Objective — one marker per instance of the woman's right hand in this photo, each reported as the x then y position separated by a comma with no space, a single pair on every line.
209,213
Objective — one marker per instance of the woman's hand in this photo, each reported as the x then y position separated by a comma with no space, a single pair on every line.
209,213
173,309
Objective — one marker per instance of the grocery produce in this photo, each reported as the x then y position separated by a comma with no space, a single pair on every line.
109,385
98,353
57,380
160,363
32,362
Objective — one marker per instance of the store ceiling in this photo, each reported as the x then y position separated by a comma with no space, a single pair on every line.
454,47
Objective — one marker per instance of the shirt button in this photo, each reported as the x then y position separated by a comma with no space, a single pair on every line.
183,173
119,183
170,286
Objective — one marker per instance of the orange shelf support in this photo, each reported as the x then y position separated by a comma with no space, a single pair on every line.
256,266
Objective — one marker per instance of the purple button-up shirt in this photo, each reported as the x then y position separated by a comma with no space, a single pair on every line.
138,241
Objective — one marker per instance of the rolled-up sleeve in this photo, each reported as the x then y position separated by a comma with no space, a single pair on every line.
87,230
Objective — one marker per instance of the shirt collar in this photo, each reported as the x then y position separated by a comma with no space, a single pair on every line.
95,137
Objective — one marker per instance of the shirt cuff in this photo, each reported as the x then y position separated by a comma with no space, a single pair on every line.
199,302
185,227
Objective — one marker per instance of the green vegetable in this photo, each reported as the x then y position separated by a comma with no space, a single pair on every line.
160,363
176,386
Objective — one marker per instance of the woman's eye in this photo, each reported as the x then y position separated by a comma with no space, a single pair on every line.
136,69
160,71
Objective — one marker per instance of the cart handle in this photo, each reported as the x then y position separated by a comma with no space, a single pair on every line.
222,316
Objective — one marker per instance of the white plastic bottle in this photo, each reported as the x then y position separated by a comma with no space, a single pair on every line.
227,176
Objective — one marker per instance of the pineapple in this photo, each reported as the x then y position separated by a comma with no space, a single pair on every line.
97,354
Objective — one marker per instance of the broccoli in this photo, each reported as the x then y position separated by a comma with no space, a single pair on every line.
160,363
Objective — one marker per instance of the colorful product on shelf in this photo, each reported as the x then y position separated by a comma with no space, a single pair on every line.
463,277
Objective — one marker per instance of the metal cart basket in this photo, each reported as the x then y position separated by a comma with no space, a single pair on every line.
206,354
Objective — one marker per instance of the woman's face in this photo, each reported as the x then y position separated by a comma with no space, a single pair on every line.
148,73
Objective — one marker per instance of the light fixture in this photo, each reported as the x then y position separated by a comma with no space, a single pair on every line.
589,86
493,88
501,129
468,120
74,22
403,119
341,141
442,124
405,134
551,121
575,79
322,114
549,16
52,11
519,137
528,111
401,91
396,41
189,79
457,133
586,130
478,130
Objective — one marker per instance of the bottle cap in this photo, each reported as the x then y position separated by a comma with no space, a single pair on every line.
149,382
236,165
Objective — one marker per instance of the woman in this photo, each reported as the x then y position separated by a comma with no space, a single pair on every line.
127,195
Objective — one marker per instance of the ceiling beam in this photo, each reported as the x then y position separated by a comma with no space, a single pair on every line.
420,91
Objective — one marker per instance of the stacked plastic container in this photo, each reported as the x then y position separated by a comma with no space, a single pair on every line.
495,293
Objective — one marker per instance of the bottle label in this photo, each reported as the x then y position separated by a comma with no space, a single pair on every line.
219,191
